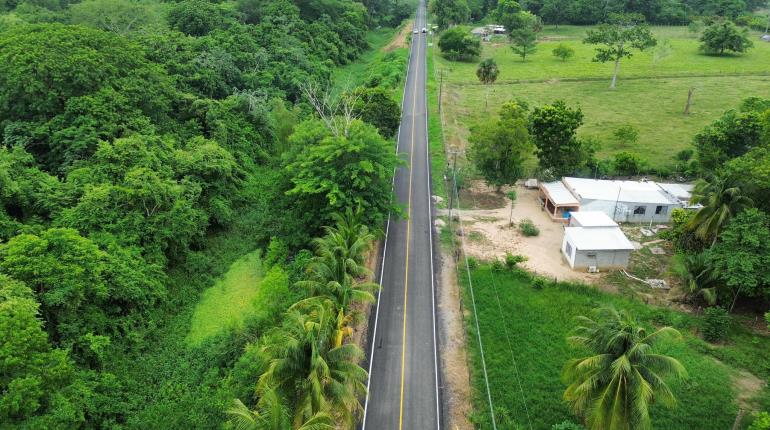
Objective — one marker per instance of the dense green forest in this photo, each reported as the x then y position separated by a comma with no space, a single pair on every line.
145,146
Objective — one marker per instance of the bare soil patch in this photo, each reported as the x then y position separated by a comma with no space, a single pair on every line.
401,39
454,358
500,237
747,386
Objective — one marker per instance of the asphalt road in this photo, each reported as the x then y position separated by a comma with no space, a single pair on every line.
403,385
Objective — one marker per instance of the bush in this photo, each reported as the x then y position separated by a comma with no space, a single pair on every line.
716,321
528,228
538,282
567,425
627,163
563,52
761,422
512,260
767,319
497,266
472,263
277,253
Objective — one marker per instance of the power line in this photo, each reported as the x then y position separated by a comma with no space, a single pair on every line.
510,348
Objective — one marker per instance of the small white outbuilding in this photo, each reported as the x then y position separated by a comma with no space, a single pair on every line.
594,242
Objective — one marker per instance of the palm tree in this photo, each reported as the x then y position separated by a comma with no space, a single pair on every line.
339,263
614,387
721,200
272,414
325,378
487,73
698,276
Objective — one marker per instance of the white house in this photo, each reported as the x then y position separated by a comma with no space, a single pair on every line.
591,219
624,201
596,248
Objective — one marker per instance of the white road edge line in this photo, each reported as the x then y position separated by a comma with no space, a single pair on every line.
385,245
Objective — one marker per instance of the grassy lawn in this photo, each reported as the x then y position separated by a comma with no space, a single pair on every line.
435,137
651,92
530,326
229,302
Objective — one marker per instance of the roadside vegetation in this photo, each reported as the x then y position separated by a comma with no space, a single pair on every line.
164,170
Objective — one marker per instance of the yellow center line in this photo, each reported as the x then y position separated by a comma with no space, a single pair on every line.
408,230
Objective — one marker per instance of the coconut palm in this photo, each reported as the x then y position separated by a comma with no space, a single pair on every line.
272,414
487,73
698,276
721,200
614,386
339,264
325,378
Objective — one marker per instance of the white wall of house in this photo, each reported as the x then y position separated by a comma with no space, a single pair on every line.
581,259
631,212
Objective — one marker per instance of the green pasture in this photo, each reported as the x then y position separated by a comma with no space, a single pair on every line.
651,92
528,326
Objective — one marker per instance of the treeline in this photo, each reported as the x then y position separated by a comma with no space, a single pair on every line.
588,12
133,132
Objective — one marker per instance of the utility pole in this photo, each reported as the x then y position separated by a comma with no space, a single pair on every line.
454,182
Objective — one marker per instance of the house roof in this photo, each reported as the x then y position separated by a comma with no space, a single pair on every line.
593,219
680,191
622,191
559,194
597,238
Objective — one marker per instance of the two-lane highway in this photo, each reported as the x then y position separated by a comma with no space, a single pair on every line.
403,368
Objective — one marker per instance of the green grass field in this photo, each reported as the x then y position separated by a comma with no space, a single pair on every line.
530,326
651,92
229,302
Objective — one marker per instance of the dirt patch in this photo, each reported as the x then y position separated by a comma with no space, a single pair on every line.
401,39
543,251
454,359
747,386
479,196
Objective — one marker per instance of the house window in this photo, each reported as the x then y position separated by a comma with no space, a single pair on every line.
661,210
568,250
640,210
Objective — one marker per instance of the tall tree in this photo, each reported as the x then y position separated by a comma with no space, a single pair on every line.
448,13
614,387
499,148
524,39
618,39
332,172
555,11
487,73
725,36
459,45
553,129
721,200
742,255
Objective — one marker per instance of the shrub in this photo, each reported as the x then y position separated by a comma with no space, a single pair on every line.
716,321
512,260
497,266
767,319
277,253
563,52
472,263
538,282
528,228
627,163
567,425
761,422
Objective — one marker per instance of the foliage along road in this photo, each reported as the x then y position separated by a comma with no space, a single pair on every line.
404,380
